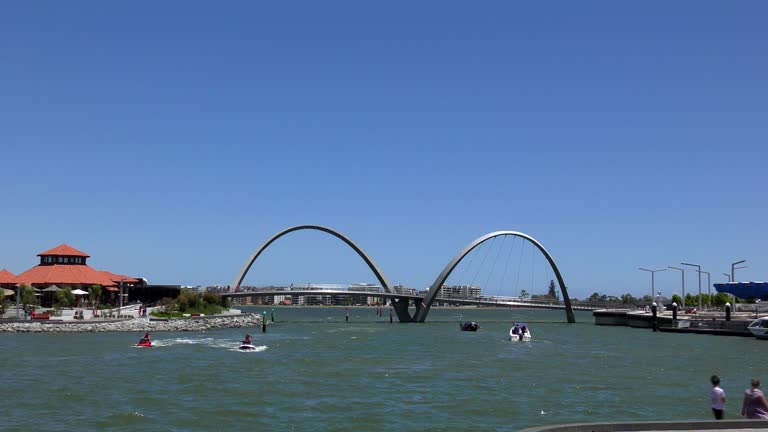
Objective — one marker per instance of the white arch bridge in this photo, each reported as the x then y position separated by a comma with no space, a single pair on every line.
401,302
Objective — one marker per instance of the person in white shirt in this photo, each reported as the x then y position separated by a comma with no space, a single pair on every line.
718,398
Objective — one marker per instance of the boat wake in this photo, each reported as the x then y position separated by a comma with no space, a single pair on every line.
228,344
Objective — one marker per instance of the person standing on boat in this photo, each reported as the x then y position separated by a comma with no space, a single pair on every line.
718,398
754,406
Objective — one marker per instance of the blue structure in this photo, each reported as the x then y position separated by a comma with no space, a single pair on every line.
745,290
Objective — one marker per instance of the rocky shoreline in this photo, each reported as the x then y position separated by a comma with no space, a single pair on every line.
135,325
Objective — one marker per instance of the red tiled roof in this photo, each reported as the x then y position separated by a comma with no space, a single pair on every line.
70,274
7,277
116,277
64,249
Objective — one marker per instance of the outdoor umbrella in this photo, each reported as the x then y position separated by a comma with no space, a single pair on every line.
7,292
79,292
52,288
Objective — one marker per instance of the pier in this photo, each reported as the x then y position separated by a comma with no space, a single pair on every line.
712,323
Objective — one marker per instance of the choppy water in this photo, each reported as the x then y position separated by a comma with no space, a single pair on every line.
315,372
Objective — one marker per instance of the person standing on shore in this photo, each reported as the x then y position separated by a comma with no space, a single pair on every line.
718,398
754,406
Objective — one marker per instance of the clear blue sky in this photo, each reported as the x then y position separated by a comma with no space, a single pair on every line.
170,139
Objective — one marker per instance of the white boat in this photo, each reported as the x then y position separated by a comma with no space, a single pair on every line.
247,347
515,336
759,328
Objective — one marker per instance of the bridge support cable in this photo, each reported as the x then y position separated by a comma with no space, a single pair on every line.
493,266
482,262
506,267
421,314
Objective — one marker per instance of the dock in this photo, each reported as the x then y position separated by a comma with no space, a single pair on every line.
710,323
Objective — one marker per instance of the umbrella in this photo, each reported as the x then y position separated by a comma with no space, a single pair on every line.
52,288
79,292
7,292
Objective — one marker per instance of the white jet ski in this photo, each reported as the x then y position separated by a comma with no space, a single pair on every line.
247,347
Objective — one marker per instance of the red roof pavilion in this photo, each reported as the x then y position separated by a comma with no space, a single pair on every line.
65,265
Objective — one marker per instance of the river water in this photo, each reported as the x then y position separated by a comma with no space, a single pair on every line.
316,372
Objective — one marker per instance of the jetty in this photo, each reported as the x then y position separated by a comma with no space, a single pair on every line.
712,322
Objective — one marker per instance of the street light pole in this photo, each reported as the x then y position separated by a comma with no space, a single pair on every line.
733,269
120,311
653,280
728,276
709,289
682,272
698,267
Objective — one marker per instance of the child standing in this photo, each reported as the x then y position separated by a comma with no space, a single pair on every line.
718,398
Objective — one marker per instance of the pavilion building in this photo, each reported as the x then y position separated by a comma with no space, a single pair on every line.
66,266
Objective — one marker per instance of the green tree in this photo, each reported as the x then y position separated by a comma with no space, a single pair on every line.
168,304
94,294
552,292
28,296
720,299
677,299
64,297
628,299
523,294
691,300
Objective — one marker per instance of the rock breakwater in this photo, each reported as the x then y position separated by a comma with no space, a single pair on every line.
136,325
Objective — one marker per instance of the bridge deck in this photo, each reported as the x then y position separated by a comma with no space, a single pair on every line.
470,302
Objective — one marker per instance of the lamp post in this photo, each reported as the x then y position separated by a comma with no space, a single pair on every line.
682,273
733,269
120,311
698,267
709,289
733,276
728,276
653,279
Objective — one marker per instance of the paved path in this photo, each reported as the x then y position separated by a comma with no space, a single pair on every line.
659,426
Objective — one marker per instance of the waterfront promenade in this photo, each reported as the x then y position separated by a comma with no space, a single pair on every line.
658,426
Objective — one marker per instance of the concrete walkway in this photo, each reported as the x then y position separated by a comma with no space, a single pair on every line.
660,426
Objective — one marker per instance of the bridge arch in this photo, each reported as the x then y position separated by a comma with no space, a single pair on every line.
421,314
374,268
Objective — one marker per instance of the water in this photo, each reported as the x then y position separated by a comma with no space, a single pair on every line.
316,372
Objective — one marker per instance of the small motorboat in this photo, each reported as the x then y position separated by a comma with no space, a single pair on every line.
759,328
247,347
469,326
143,342
520,333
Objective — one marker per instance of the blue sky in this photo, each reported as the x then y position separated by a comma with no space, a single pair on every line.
170,140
